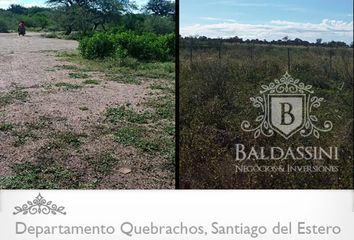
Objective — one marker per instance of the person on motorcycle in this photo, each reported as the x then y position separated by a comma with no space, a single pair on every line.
21,28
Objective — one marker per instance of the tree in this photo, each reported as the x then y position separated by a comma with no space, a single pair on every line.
68,3
285,39
318,41
158,25
161,7
297,41
105,11
79,14
73,18
35,10
41,19
131,22
18,9
3,27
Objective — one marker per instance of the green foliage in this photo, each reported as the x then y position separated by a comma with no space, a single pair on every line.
18,9
12,96
3,27
5,127
65,139
67,67
39,175
78,75
214,101
161,7
77,19
164,107
149,131
21,136
122,113
137,138
100,45
84,16
74,18
35,18
127,79
76,35
91,82
143,23
67,86
157,25
41,20
103,164
50,35
169,40
146,46
147,141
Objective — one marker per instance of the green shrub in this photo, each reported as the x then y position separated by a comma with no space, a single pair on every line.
3,27
145,47
121,52
74,36
50,35
100,45
170,42
158,25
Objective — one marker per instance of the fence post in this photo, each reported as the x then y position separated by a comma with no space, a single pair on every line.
251,52
330,62
288,60
220,45
191,50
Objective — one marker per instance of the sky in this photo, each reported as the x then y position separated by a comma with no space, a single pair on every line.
27,3
268,19
30,3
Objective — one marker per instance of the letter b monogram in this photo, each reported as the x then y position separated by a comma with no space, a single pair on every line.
287,118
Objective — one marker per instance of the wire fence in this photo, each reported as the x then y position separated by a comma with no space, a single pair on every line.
288,56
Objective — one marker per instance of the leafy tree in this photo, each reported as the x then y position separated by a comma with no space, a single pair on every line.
3,27
68,3
318,41
80,14
105,11
285,39
34,10
73,18
41,19
158,25
17,9
161,7
297,41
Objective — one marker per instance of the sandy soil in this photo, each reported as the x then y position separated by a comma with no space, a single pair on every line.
25,63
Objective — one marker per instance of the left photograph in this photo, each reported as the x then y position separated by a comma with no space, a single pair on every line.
87,94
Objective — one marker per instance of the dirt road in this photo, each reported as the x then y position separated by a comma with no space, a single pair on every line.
23,60
57,137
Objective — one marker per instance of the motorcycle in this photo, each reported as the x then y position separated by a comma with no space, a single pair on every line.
21,30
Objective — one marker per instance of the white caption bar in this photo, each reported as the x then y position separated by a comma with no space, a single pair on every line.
176,215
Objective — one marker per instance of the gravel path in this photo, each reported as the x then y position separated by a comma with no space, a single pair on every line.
24,60
30,64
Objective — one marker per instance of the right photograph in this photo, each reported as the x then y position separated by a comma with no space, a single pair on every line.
266,94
